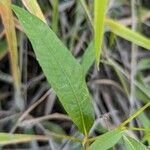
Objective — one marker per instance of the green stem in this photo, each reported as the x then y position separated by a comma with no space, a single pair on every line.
135,115
138,129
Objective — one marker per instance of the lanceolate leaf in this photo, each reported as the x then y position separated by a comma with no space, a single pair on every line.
107,140
62,70
127,34
133,144
6,138
100,7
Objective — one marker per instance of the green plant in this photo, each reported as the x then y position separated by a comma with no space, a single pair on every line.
67,77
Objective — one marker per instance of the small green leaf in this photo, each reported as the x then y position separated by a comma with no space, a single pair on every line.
62,70
107,140
7,138
99,17
133,144
127,34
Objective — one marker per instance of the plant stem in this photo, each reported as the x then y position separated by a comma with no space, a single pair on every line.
135,115
138,129
85,143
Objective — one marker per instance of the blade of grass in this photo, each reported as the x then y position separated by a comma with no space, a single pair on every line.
84,5
8,22
34,8
119,30
7,138
127,34
138,112
99,17
55,16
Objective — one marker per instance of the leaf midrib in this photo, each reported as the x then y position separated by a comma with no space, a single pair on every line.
129,142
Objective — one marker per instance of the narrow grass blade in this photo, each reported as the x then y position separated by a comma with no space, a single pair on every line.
133,144
127,34
9,27
107,140
6,138
7,18
34,8
84,5
55,16
62,70
99,17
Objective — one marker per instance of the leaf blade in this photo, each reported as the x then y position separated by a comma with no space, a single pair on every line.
107,140
127,34
63,72
99,17
133,144
9,28
7,138
34,8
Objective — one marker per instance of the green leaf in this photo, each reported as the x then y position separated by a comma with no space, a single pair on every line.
107,140
133,144
88,58
62,70
55,15
99,17
127,34
7,138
